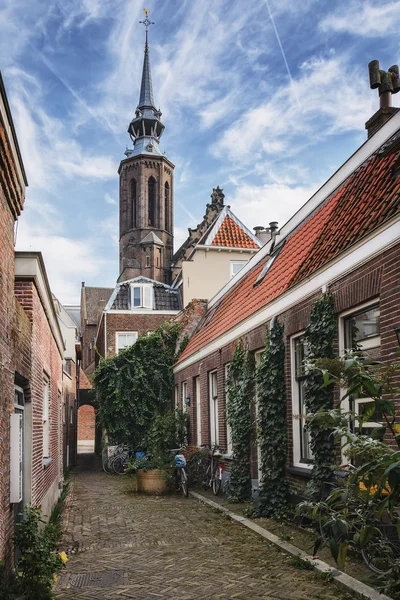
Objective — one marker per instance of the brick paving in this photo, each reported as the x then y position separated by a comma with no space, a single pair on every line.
125,545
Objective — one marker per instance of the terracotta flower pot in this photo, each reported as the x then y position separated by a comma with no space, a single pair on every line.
151,482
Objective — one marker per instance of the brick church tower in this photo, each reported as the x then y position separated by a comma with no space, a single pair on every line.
146,192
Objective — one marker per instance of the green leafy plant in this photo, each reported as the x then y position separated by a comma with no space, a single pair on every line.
319,338
274,490
363,509
38,561
240,393
136,385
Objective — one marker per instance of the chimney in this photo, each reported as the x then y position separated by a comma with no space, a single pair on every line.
262,233
273,227
388,83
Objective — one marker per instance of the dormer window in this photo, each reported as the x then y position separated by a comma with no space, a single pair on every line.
142,296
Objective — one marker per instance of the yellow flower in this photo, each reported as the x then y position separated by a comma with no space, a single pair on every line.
54,577
64,557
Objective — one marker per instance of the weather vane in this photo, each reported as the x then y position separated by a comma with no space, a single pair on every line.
147,21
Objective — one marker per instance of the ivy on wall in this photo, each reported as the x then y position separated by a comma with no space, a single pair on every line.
272,426
319,338
240,393
136,385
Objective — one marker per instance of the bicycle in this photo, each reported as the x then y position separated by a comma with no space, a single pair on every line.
181,475
213,475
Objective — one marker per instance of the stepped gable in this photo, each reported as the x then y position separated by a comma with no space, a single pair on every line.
368,198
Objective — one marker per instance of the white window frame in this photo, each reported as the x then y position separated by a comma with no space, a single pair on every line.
146,296
236,262
197,388
345,404
16,447
295,405
118,333
184,396
213,405
46,417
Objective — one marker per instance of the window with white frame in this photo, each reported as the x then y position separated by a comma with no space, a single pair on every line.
46,418
196,387
213,397
236,266
124,339
302,455
360,330
142,296
184,396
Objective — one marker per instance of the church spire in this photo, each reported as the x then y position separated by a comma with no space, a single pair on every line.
146,128
146,89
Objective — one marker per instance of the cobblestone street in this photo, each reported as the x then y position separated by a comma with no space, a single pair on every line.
122,545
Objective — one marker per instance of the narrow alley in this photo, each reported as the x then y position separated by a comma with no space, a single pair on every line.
122,545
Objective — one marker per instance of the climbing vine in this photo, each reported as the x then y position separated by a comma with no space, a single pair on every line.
240,392
136,385
319,337
272,437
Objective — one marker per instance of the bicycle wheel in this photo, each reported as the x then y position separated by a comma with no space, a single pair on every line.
207,478
106,462
119,465
216,480
184,482
381,552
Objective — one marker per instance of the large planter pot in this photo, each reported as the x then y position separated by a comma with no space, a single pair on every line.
151,482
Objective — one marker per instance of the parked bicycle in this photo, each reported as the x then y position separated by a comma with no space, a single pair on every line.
213,475
181,474
115,459
382,551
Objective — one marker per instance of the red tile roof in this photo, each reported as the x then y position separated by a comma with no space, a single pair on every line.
230,234
365,200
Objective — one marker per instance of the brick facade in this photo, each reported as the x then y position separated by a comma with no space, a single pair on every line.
86,423
378,279
12,193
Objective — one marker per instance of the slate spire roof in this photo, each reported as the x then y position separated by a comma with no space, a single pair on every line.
146,98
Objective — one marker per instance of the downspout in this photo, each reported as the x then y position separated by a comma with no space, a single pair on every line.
105,335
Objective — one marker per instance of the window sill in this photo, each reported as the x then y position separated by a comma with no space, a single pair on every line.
46,462
302,471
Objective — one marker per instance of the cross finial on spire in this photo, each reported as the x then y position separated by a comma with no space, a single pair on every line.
147,22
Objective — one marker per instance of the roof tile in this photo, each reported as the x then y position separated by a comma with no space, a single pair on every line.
231,235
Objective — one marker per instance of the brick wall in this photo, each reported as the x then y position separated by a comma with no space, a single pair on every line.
11,203
142,323
86,423
46,362
379,278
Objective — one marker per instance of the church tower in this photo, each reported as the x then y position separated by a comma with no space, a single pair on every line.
146,191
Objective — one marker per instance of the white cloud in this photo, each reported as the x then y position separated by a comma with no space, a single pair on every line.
180,235
259,205
109,199
279,127
49,150
67,261
364,18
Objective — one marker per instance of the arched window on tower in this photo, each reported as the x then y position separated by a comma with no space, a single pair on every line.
133,203
152,201
166,206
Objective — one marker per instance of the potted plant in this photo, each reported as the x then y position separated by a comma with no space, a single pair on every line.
154,471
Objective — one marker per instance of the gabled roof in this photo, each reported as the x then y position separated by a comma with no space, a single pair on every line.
93,301
229,231
364,201
165,298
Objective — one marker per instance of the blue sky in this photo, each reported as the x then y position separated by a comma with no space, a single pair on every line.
265,99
